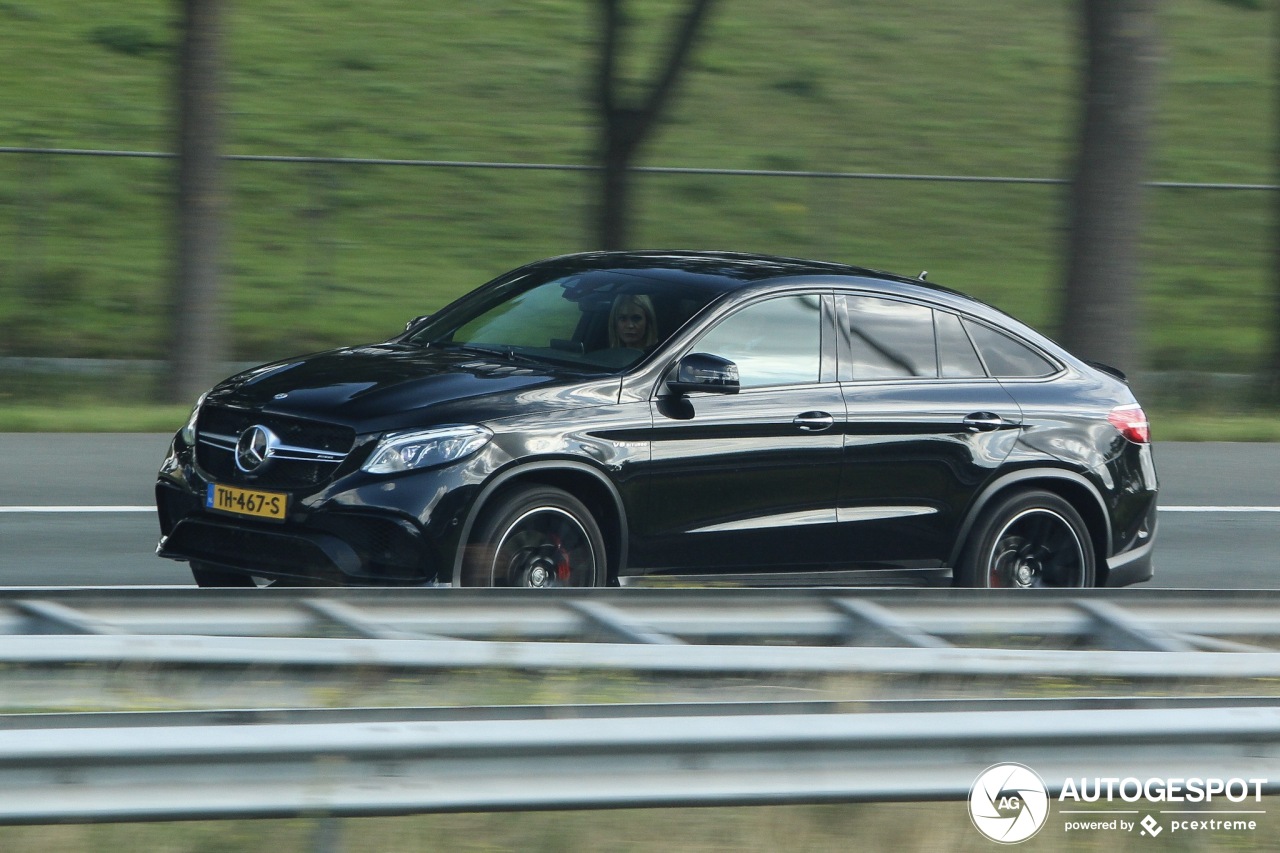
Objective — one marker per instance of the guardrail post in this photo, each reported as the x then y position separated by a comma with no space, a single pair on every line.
326,836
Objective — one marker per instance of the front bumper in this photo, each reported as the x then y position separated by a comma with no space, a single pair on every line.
357,530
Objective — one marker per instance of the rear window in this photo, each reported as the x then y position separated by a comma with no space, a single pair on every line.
1007,357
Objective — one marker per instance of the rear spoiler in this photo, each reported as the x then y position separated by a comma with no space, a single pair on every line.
1106,368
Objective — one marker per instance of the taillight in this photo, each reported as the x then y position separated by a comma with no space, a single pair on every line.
1132,423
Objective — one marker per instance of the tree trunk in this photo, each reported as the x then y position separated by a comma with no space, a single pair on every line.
614,196
196,350
1271,371
624,127
1100,304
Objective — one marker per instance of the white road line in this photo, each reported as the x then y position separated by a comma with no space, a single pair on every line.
55,509
19,509
1220,509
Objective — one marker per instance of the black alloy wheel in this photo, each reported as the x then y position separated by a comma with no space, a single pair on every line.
537,537
1029,540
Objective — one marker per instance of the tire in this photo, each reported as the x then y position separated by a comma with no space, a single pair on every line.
537,537
1027,540
207,576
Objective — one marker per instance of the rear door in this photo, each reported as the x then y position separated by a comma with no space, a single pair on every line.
926,427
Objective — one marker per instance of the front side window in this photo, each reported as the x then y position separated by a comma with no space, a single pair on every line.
889,339
775,342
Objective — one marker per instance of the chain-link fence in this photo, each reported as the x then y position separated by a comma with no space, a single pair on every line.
330,250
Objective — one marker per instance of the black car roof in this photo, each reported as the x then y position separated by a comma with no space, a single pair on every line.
728,270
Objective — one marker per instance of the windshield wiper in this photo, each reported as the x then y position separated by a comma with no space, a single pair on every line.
508,352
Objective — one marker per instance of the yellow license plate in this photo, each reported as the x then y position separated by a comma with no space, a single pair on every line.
250,502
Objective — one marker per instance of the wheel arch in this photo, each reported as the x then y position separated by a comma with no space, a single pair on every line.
586,483
1071,486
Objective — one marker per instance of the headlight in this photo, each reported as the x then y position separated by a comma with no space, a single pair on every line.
189,431
407,451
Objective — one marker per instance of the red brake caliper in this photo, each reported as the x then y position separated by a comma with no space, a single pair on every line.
562,562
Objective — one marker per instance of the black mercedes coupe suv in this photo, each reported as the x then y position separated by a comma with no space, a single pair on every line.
601,418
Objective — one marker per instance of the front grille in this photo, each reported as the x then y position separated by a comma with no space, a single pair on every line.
323,447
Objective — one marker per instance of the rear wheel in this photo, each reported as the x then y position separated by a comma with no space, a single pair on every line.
537,537
1028,540
206,575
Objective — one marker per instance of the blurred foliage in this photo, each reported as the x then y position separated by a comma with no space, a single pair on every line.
129,39
323,254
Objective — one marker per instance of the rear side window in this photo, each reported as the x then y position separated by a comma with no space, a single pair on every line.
890,339
956,355
1006,357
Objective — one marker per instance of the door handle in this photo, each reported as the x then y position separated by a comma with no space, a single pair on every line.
983,422
813,421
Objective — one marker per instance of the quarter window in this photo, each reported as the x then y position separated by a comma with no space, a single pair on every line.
889,339
776,342
956,356
1006,357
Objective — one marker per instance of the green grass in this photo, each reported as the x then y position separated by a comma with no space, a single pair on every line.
33,417
1205,426
904,827
322,255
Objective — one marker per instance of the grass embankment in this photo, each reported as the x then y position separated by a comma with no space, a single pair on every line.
898,827
320,255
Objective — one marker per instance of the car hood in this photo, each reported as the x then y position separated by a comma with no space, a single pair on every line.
394,386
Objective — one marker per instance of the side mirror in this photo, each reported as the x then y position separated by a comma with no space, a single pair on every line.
416,321
701,371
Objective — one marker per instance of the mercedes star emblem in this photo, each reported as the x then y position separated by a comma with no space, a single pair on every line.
254,448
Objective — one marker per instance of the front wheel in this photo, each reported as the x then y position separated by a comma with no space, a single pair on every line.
1028,540
537,537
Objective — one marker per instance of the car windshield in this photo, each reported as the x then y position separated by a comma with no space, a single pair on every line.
601,320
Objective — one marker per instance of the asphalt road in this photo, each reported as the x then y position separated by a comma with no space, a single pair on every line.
95,538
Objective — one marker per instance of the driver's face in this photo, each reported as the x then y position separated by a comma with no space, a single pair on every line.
631,326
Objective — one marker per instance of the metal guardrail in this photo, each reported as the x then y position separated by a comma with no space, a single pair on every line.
1163,634
1149,620
179,765
170,772
620,710
190,651
1135,620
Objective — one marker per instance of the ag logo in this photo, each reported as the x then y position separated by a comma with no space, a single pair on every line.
1008,803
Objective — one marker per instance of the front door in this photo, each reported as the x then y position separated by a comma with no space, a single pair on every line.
749,481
